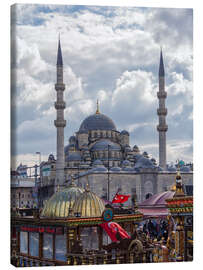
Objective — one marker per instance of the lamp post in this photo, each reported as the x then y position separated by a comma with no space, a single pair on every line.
39,185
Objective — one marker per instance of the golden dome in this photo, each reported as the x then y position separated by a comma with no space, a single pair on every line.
89,205
61,202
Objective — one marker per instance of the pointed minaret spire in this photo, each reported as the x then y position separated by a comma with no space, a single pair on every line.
59,54
162,112
161,66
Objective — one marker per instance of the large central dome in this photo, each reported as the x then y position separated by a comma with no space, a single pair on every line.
97,121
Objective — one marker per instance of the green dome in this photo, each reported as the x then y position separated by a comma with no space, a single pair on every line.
59,204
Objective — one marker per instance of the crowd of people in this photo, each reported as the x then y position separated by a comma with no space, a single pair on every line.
155,229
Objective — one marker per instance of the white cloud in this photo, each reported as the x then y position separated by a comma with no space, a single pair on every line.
109,53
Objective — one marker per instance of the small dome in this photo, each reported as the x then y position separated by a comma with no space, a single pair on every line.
115,169
51,157
135,148
97,162
125,132
145,154
60,202
103,145
97,122
125,163
89,205
72,139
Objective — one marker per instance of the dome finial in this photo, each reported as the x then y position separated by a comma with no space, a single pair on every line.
97,111
87,188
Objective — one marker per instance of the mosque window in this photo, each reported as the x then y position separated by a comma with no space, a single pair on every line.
60,247
24,242
48,246
34,244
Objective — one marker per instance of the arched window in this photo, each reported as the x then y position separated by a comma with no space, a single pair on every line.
148,195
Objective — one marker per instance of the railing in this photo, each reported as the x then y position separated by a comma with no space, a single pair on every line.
154,254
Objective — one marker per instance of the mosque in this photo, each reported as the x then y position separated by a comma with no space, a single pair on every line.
101,155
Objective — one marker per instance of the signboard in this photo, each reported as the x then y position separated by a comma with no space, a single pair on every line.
42,229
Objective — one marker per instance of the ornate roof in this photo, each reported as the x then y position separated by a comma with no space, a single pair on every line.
60,202
89,205
97,121
158,199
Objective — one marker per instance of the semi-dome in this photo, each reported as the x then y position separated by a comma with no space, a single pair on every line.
74,156
144,162
60,202
97,121
103,145
89,205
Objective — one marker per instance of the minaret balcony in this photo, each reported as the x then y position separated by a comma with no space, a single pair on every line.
163,128
162,94
60,86
60,123
162,111
60,105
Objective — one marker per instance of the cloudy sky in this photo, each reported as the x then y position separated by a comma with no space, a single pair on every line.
110,54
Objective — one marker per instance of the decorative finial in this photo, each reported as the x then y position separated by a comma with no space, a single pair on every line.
179,186
97,111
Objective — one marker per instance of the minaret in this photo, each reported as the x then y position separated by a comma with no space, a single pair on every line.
162,112
60,123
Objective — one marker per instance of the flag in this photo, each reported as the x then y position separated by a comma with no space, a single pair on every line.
112,228
119,198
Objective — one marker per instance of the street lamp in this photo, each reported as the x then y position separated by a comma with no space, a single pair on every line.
39,186
39,153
